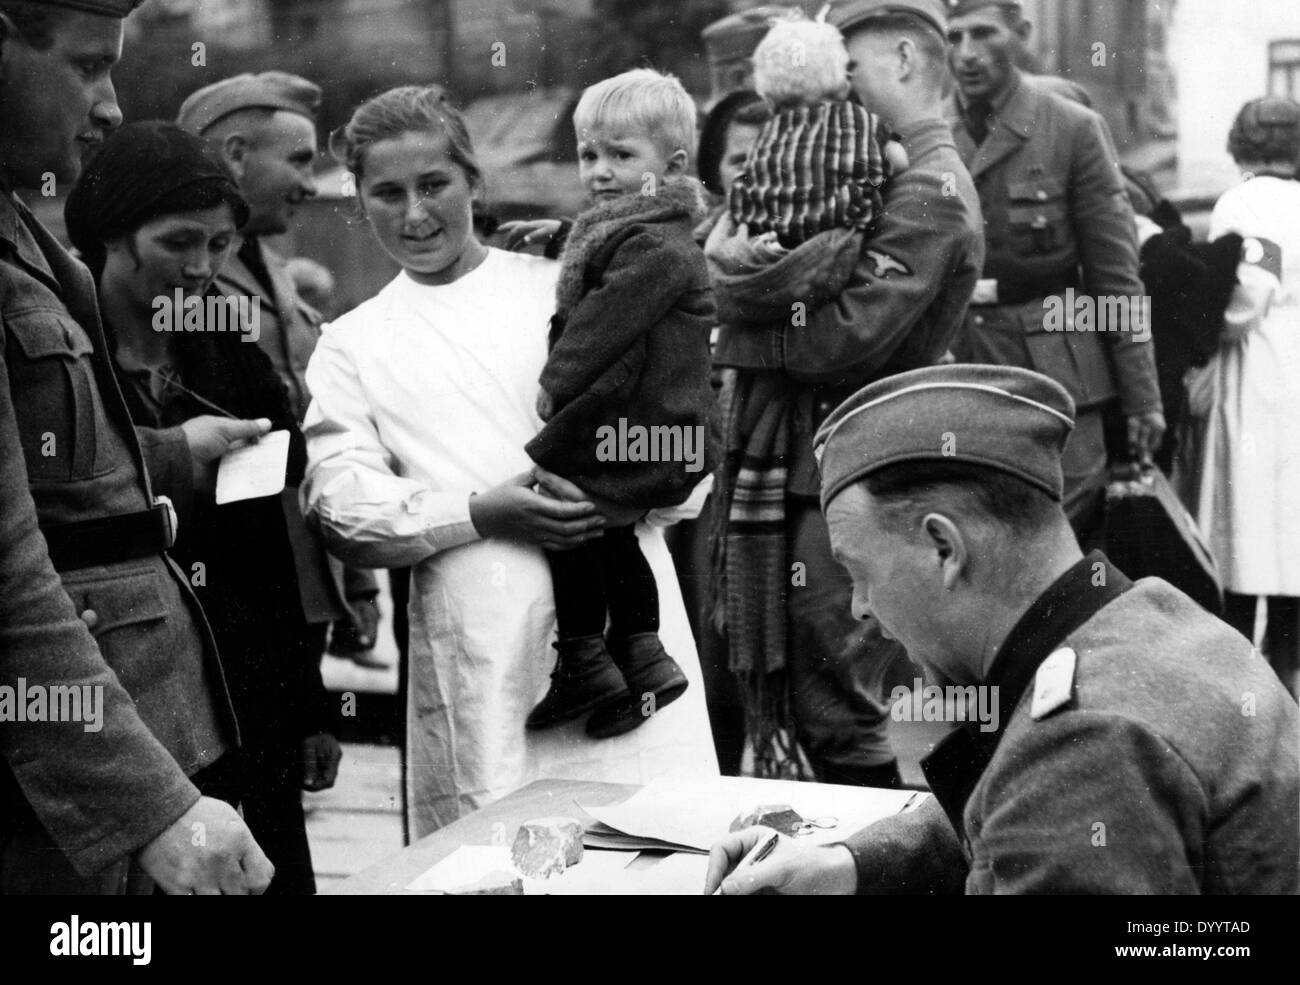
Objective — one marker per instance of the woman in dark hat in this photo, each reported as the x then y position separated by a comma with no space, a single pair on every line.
154,216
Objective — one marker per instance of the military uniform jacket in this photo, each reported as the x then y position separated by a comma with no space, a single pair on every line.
290,329
901,309
68,452
1055,215
1142,747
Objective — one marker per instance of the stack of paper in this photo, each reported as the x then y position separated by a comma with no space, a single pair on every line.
690,815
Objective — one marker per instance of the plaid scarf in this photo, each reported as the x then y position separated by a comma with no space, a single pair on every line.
750,564
813,168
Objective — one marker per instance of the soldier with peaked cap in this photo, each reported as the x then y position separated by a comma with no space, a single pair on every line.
943,491
89,599
791,354
1056,220
264,127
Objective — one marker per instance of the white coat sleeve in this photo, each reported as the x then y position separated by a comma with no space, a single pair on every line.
369,516
1258,273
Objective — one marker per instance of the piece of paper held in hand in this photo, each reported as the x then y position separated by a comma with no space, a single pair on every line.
692,815
597,873
254,470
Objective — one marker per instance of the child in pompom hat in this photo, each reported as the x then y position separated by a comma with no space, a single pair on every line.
821,161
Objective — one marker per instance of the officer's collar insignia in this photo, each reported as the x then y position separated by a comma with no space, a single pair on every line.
1054,683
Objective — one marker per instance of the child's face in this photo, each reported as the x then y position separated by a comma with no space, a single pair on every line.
614,161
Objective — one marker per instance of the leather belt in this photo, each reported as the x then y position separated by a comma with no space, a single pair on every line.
1011,292
112,539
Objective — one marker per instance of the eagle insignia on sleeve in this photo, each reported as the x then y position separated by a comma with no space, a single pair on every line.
883,263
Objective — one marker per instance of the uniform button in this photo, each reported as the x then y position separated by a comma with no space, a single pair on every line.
91,618
823,406
979,319
1042,195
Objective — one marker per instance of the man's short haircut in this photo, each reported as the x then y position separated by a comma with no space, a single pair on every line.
35,22
908,490
645,100
901,24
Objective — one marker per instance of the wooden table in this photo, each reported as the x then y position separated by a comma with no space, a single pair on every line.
488,826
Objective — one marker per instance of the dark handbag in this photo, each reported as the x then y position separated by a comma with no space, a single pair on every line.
1149,533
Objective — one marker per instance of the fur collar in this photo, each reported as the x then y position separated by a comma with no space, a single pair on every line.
676,198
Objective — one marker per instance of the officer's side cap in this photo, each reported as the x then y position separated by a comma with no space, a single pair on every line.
265,90
854,13
105,8
1000,417
960,8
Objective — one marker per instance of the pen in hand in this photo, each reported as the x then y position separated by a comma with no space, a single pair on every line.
756,854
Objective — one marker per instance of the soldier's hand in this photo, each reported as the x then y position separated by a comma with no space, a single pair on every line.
208,851
791,869
321,754
1145,432
209,437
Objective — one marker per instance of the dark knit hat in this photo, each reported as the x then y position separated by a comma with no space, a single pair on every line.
142,171
1266,129
1001,417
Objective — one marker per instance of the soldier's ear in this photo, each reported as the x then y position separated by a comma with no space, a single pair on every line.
1024,29
235,148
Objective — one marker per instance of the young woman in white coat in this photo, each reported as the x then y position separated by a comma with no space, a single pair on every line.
1242,476
424,397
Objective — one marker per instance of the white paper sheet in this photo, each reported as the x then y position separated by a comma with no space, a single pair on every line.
598,874
697,813
254,470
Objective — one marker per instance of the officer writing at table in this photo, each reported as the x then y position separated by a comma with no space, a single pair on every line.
1056,220
1142,745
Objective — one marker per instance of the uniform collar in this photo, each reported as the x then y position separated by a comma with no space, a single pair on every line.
921,136
955,766
1013,109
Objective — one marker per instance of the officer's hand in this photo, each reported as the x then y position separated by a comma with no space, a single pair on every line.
321,754
792,869
521,234
209,437
1145,432
208,851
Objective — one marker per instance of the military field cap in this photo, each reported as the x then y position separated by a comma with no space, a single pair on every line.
105,8
1001,417
737,35
266,90
849,14
960,8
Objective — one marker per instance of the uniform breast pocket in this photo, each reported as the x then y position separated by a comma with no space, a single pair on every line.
126,612
55,394
1037,216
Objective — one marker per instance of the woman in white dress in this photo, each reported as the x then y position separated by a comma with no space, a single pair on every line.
1243,479
424,397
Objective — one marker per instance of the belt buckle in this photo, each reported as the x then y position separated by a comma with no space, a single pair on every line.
173,521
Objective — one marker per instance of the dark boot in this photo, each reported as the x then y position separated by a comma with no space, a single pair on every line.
648,670
584,677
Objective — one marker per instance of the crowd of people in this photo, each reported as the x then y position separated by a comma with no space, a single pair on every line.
803,340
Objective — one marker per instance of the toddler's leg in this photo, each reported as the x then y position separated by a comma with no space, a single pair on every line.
653,678
584,676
